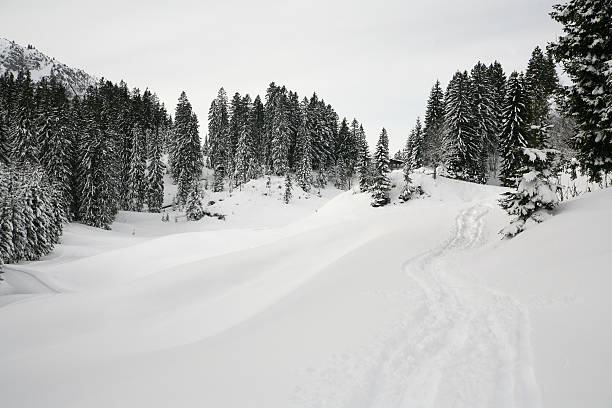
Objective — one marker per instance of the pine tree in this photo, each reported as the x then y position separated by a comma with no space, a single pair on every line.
194,209
6,231
513,136
97,173
6,212
540,83
187,166
294,114
137,180
238,128
23,135
97,206
323,128
243,159
382,184
485,118
497,80
461,141
345,154
288,188
365,175
433,129
56,141
257,136
416,153
218,136
124,122
279,131
4,136
304,175
535,194
155,175
407,152
585,50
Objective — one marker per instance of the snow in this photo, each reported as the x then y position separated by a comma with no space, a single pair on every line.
323,302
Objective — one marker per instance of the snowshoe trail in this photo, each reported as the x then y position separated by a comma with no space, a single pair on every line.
471,347
459,344
468,347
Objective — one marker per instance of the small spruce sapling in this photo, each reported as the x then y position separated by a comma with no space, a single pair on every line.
194,209
535,195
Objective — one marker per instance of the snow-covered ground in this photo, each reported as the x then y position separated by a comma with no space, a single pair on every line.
325,302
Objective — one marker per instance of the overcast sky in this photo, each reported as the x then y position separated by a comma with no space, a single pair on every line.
372,60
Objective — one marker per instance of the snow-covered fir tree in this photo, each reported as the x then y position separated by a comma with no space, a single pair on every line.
194,208
288,188
364,162
294,113
514,132
585,50
98,201
218,135
187,152
4,137
31,217
257,136
433,128
461,142
540,83
485,117
345,156
279,131
155,174
535,195
416,152
243,159
304,172
23,135
137,178
497,81
57,140
381,183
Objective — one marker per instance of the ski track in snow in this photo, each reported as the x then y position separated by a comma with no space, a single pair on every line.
467,346
27,282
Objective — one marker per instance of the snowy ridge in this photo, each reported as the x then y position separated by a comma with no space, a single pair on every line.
15,58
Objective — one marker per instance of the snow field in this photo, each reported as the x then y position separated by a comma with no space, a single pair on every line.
326,302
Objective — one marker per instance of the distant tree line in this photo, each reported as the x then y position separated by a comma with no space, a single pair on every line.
250,137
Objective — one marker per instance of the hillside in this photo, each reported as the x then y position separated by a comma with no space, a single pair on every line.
15,58
336,305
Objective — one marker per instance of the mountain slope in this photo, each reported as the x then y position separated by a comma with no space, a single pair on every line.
15,58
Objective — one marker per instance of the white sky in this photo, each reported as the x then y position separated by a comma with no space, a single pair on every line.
373,60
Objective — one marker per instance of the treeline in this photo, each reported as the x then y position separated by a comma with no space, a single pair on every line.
248,138
81,158
474,127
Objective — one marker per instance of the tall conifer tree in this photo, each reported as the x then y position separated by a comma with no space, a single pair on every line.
461,141
585,50
381,183
514,132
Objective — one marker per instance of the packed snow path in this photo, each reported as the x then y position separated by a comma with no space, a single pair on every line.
470,348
